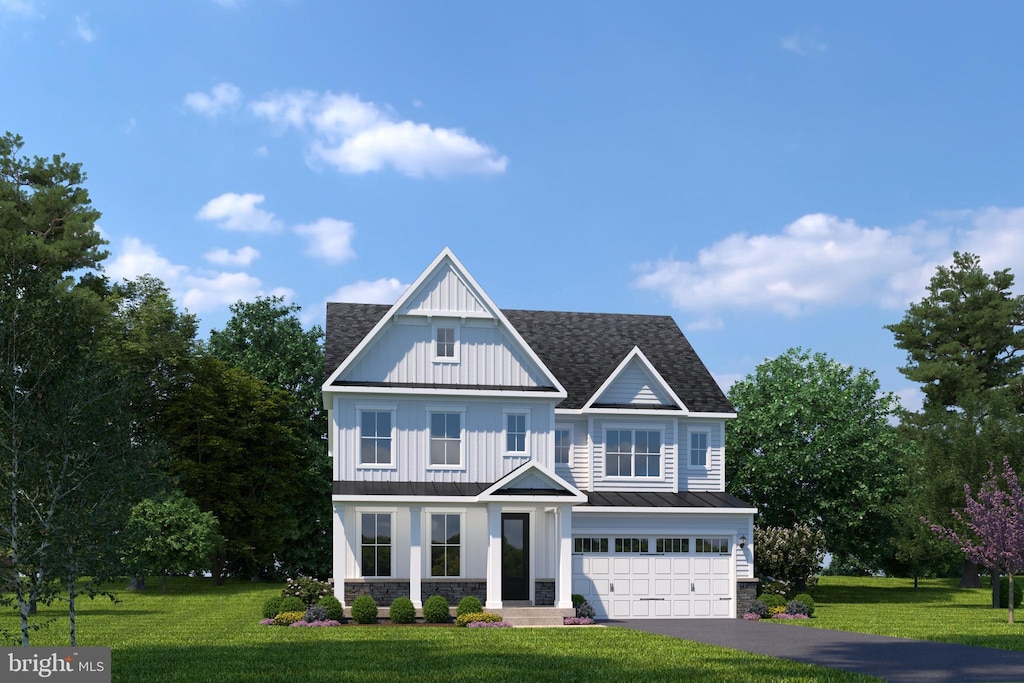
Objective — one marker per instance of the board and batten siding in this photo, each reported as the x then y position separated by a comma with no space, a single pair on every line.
634,386
665,482
447,292
483,445
712,477
404,353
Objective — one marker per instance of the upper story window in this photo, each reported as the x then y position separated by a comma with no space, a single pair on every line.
375,437
375,542
563,445
698,449
632,453
445,439
516,425
446,344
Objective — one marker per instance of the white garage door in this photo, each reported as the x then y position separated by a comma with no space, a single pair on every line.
640,578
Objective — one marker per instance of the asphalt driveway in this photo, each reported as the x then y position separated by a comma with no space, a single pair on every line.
897,660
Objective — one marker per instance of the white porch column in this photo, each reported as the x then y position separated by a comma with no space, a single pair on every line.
563,575
494,556
340,543
416,556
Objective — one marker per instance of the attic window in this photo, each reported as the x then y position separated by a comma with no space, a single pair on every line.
446,344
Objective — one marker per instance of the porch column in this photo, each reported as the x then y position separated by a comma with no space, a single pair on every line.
416,556
493,556
563,576
339,544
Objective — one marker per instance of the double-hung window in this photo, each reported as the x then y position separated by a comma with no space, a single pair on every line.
375,437
632,453
446,344
445,544
698,449
375,541
563,445
445,439
516,426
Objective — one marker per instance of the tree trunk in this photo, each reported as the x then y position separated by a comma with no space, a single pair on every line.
995,589
71,609
970,578
137,583
1010,596
915,582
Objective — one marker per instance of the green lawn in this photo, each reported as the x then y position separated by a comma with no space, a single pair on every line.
200,633
938,610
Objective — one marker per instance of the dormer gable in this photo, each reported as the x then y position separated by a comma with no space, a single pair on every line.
635,384
530,481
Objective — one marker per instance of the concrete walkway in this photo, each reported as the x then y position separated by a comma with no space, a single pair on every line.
897,660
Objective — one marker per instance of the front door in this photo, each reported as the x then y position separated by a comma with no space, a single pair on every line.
515,556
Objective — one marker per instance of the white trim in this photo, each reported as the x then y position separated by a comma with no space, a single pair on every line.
630,411
441,391
447,410
624,427
456,357
525,413
360,511
370,408
690,433
625,509
636,354
490,493
564,427
400,500
428,514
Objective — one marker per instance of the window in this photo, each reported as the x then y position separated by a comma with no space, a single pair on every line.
446,344
515,433
590,545
698,449
563,445
632,453
712,545
375,437
672,545
445,544
631,545
376,544
445,439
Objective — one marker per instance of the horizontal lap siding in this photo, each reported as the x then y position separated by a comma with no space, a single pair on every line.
578,471
701,479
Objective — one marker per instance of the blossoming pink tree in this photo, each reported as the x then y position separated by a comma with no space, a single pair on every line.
996,523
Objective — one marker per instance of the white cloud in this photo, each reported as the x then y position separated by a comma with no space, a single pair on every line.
821,261
383,291
239,212
329,239
83,30
222,97
911,398
359,137
210,292
135,259
25,8
803,44
241,257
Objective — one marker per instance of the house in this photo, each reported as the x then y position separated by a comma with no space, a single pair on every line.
523,456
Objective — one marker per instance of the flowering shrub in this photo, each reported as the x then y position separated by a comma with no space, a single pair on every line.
287,618
783,615
266,622
488,624
584,610
323,622
577,621
470,617
792,555
307,589
752,616
776,611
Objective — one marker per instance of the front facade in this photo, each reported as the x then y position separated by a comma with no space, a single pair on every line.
523,456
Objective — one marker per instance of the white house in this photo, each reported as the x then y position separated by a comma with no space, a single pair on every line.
522,456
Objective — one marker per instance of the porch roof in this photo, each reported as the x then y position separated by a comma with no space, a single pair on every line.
653,499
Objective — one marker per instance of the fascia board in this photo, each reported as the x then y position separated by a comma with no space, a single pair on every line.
625,509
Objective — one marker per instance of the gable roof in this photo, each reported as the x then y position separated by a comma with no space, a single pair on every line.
581,349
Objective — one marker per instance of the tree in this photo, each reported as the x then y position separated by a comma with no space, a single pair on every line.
266,339
791,555
171,535
963,341
813,444
236,449
995,520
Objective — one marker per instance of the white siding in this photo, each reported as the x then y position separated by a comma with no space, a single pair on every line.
634,385
665,482
483,446
404,352
445,291
711,478
577,472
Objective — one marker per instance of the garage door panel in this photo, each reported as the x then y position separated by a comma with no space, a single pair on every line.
681,608
662,608
720,587
641,565
682,586
641,587
662,587
599,565
680,565
702,565
620,609
662,565
621,566
641,608
702,586
721,608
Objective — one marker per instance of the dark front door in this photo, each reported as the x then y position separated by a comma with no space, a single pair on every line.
515,556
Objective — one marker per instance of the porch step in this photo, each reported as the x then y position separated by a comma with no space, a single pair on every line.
534,616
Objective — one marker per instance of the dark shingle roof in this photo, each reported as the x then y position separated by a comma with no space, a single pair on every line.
581,349
655,499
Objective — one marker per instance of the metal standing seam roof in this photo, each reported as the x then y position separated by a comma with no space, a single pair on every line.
580,349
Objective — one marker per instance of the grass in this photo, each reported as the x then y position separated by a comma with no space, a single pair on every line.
200,633
937,611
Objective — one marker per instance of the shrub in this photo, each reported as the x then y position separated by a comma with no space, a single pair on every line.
306,589
807,600
784,615
577,621
751,616
287,618
1004,591
791,554
328,622
267,622
797,607
577,599
364,610
271,607
776,611
291,604
435,610
758,608
335,612
780,588
315,613
402,611
470,617
585,610
771,600
469,603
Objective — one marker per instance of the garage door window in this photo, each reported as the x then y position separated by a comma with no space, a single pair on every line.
712,545
590,545
672,545
631,545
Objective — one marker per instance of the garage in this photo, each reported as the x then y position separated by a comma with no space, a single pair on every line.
643,578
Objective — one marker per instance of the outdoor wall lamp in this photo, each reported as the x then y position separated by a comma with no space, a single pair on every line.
743,542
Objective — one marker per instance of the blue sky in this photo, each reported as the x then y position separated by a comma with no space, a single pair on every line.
770,174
